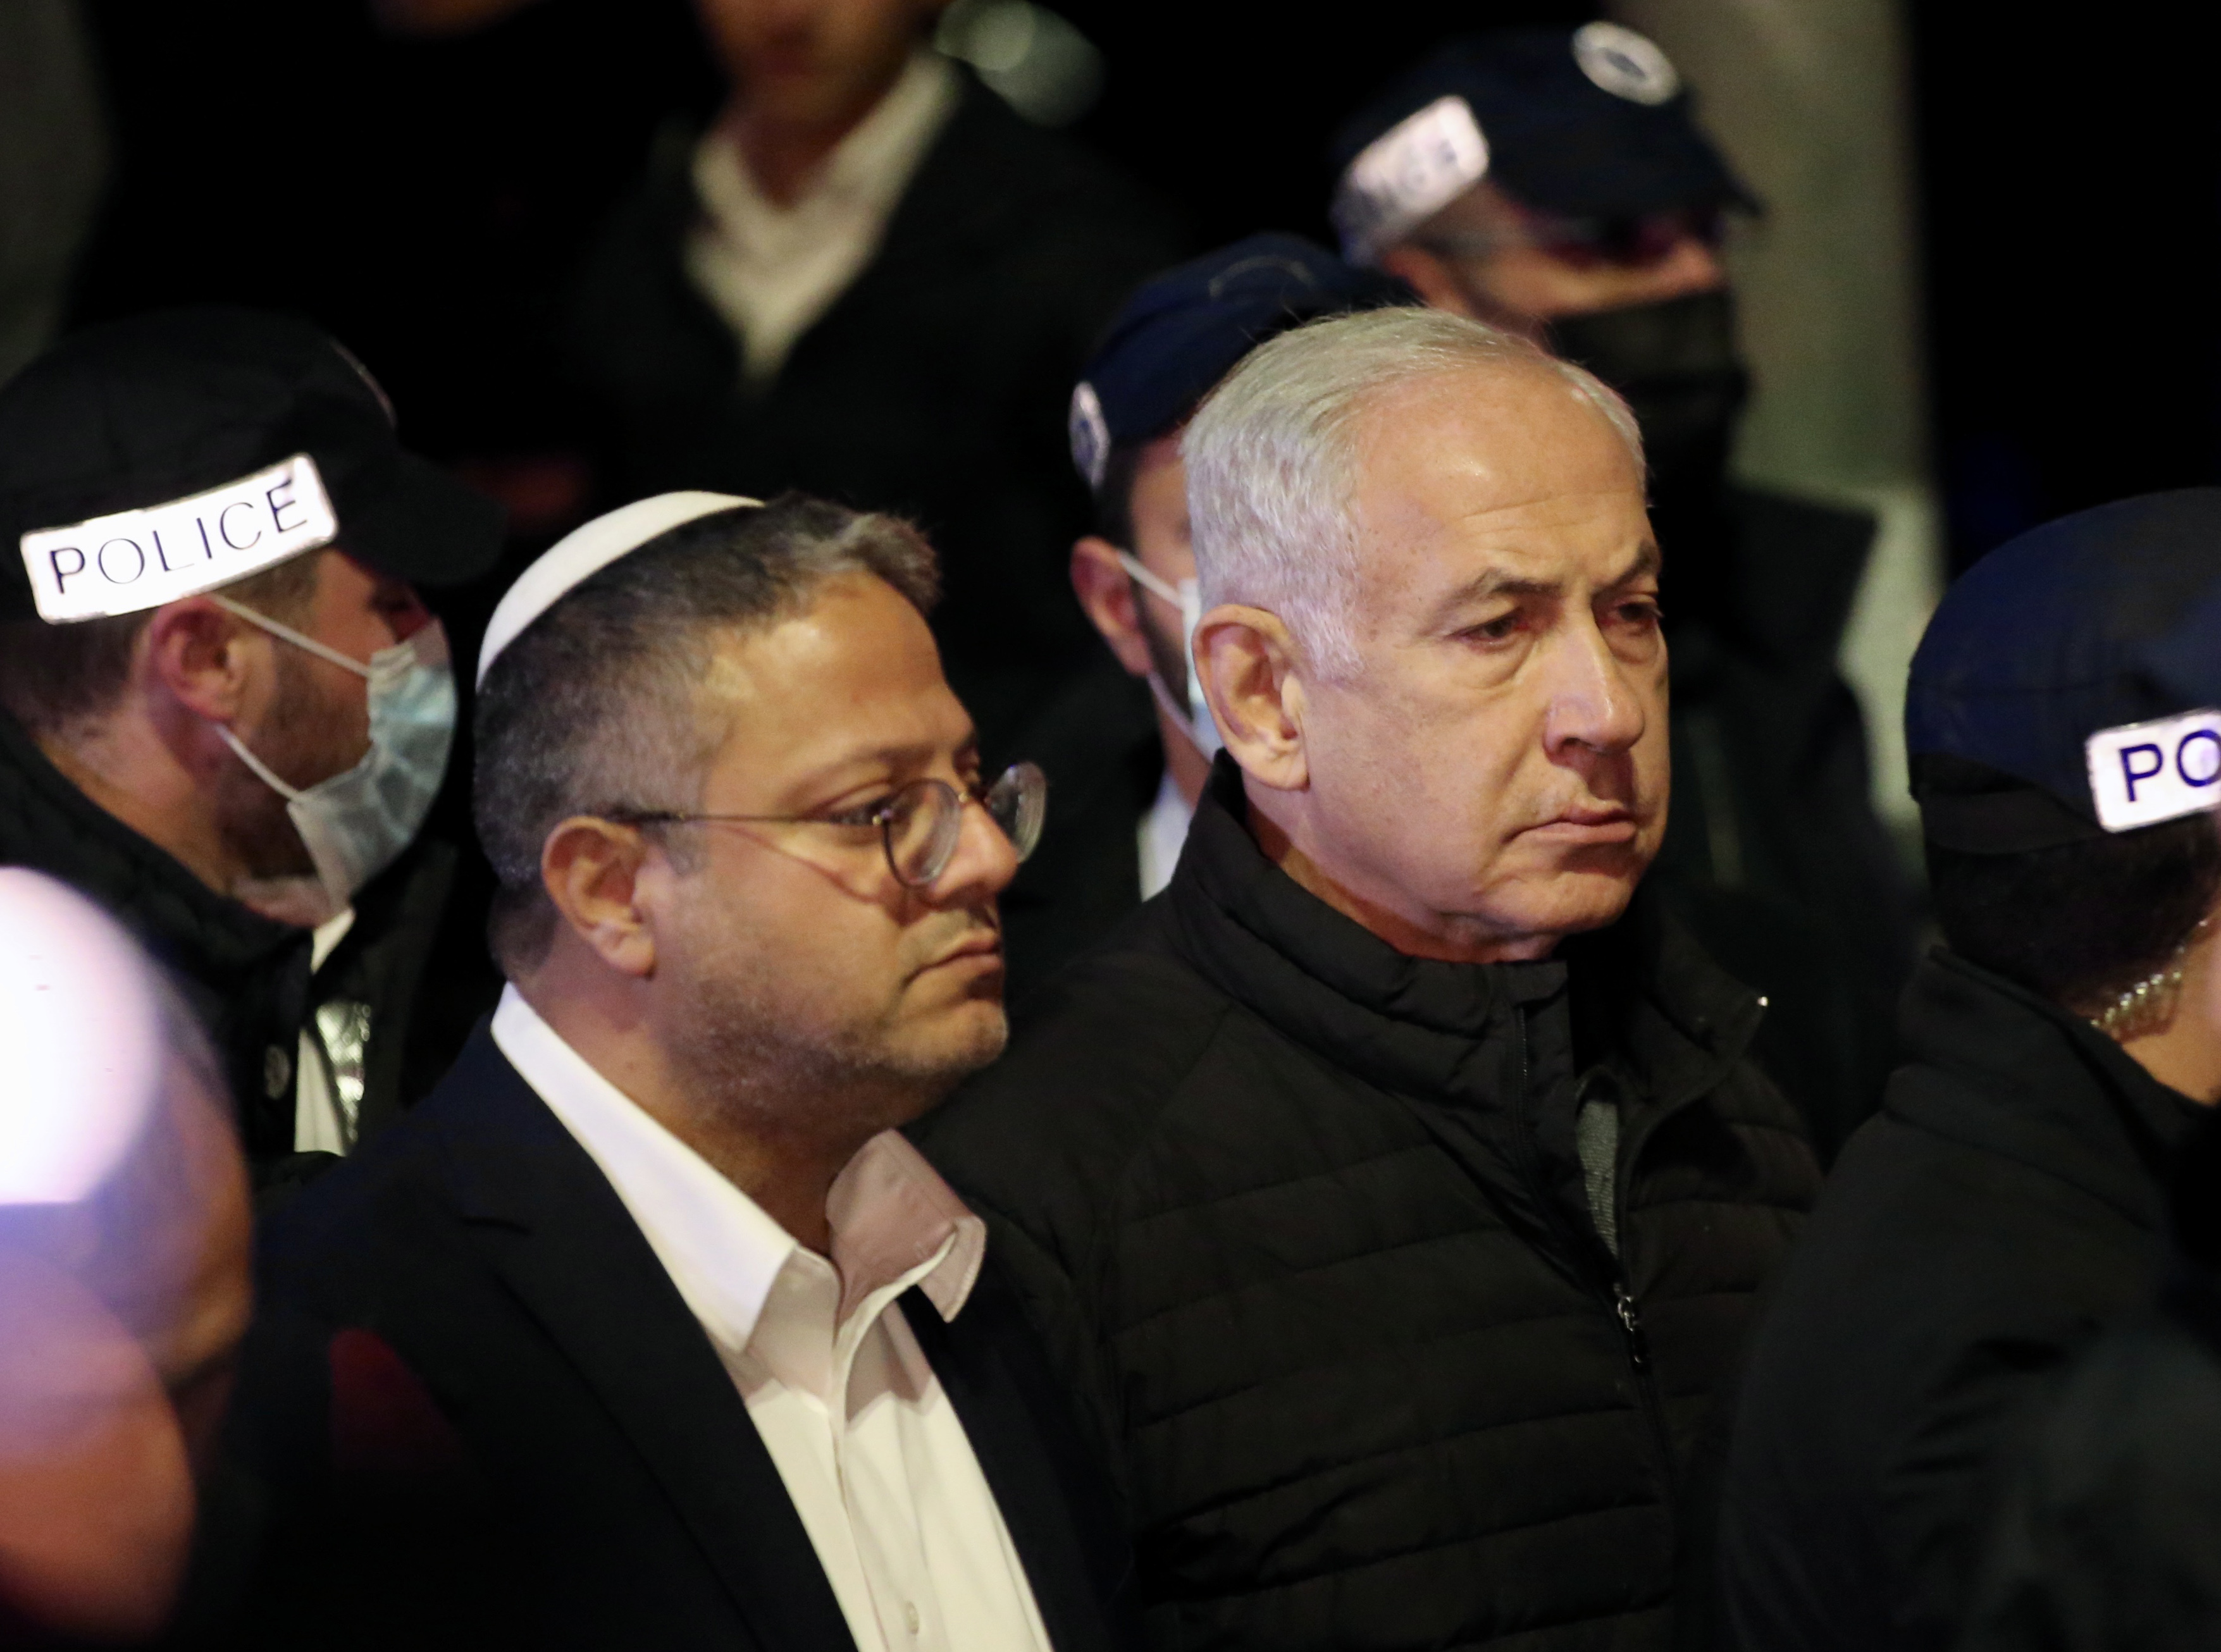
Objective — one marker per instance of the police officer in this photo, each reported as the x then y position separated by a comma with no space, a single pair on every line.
1553,182
2009,1201
1123,810
224,711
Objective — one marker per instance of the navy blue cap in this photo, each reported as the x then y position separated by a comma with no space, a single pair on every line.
2069,684
1591,122
1183,331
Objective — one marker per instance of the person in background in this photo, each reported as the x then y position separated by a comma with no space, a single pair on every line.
1553,182
647,1327
2107,1535
2009,1202
123,1273
1392,1190
224,711
871,280
1122,816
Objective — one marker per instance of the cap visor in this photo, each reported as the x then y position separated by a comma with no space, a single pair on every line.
423,525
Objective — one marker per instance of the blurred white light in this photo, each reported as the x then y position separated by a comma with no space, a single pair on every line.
1039,63
82,1027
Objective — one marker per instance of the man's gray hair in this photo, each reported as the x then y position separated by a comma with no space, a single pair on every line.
1272,458
596,708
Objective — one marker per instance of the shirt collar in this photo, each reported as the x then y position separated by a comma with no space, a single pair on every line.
890,1212
867,170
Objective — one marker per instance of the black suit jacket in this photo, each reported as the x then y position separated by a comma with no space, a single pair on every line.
480,1414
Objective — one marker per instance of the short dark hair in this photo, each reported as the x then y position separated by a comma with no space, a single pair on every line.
2081,922
592,710
53,678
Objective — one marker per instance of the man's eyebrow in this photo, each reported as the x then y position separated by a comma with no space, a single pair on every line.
1492,583
1645,565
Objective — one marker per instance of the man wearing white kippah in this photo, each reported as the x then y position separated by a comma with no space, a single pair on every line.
647,1327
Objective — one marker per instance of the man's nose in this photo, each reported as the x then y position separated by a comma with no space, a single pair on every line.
1593,703
984,863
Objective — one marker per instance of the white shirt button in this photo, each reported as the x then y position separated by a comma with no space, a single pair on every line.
910,1615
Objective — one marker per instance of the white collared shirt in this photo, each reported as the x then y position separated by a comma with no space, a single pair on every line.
770,271
871,1451
1159,837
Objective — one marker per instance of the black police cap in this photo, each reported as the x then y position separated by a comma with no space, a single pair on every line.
144,413
2069,684
1184,331
1591,122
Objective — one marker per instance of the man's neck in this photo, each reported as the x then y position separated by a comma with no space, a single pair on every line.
2185,1055
783,157
1184,759
124,767
1444,940
788,1175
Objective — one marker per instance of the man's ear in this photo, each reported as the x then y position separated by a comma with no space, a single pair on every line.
1427,274
590,868
1105,589
1245,659
198,653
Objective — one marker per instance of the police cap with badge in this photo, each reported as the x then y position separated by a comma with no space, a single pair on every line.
161,457
2069,686
1184,331
1592,124
171,455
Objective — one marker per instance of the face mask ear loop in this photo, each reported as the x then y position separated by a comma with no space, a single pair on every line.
262,770
1149,581
299,641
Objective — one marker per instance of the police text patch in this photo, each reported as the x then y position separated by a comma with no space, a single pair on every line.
137,560
2143,774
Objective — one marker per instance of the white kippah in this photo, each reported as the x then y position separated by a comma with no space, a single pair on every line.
585,552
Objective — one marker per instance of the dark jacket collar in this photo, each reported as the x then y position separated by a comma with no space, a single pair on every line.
46,822
2038,1085
1411,1023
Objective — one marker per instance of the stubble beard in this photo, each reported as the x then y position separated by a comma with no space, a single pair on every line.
785,1073
306,734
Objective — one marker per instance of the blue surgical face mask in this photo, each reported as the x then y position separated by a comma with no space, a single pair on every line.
1189,708
355,824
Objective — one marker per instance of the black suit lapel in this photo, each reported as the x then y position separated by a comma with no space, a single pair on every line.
1055,1500
567,1247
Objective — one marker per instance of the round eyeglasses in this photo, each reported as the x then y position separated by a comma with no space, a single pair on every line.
919,824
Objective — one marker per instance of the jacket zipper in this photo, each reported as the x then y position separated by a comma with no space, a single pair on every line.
1616,1297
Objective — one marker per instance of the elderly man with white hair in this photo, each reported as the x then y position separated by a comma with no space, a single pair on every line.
1393,1189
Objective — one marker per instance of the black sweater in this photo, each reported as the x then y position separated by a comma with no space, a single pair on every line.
1304,1222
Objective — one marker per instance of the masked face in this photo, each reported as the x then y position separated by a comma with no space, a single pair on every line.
356,823
1676,363
1186,707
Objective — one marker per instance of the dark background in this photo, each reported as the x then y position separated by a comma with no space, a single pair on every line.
425,200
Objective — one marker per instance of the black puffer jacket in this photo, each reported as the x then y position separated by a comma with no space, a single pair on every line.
1304,1223
2008,1203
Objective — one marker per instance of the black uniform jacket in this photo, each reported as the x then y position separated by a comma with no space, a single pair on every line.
2108,1533
483,1417
1773,853
413,967
935,386
2006,1204
1305,1221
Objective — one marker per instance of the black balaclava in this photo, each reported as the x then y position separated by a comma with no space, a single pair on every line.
1676,363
